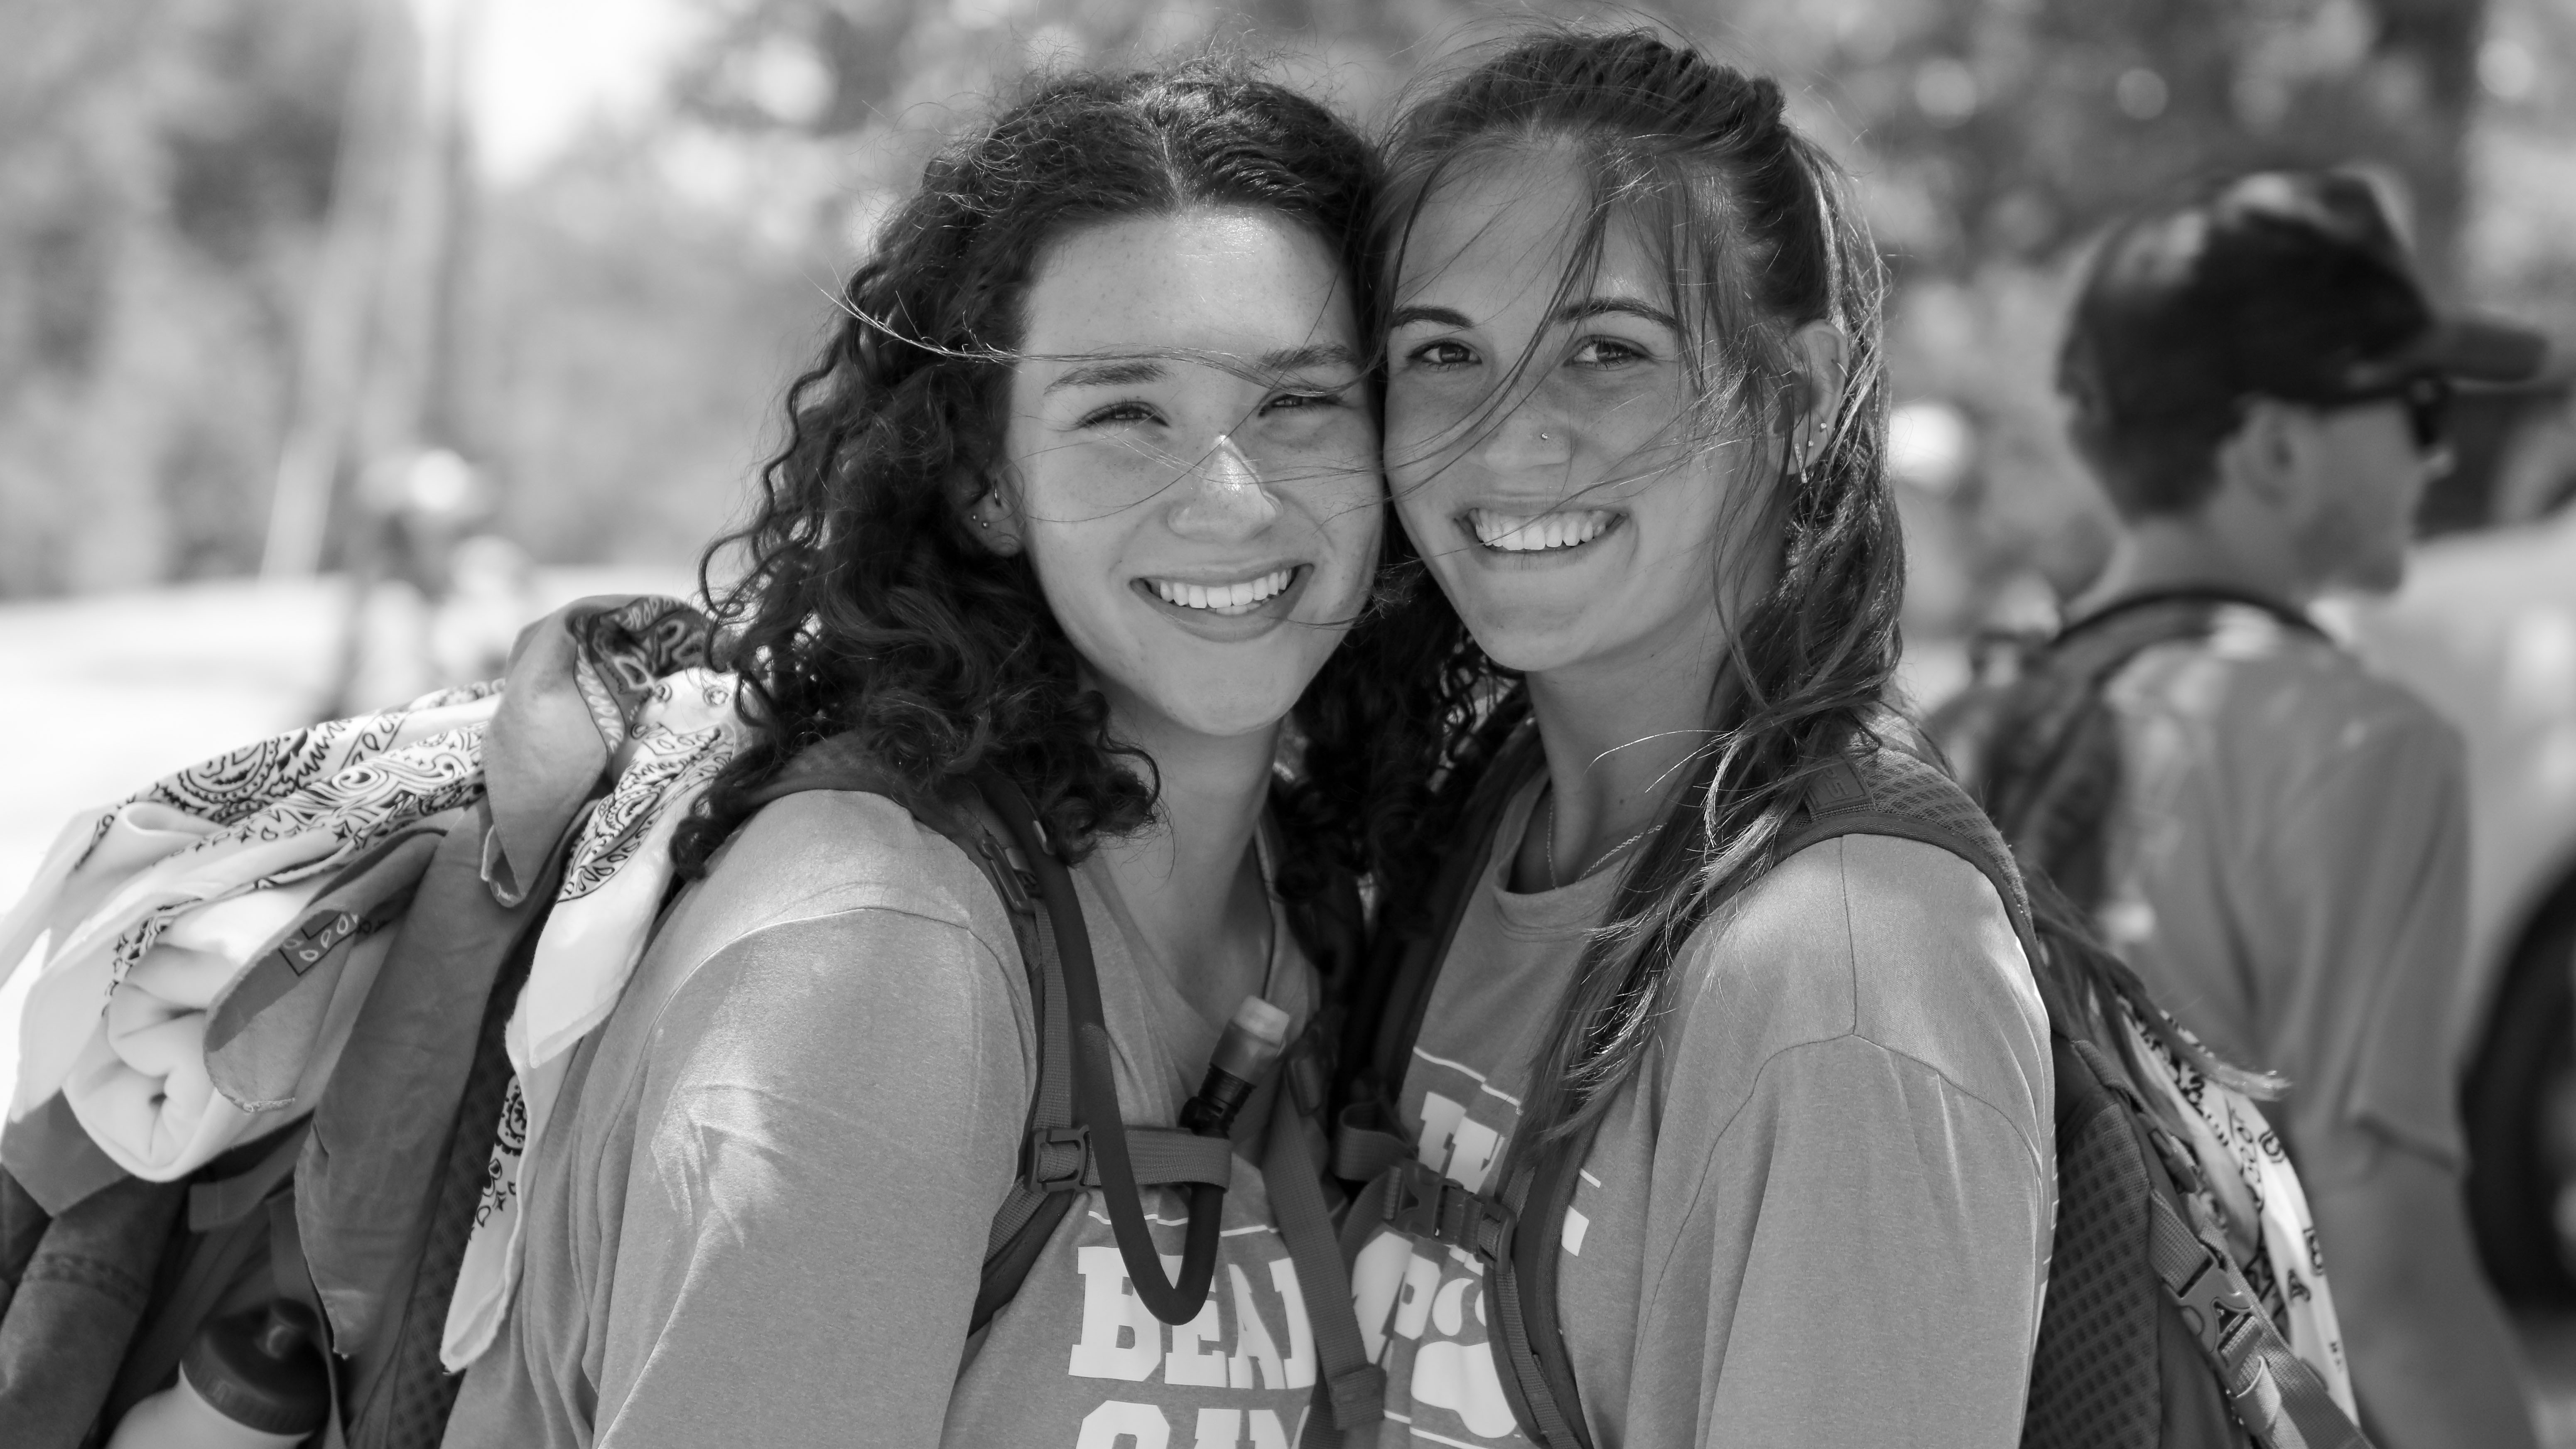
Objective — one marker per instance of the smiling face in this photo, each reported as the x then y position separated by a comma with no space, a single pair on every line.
1192,464
1546,451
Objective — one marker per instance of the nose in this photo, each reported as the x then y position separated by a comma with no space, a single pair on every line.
1223,499
1532,437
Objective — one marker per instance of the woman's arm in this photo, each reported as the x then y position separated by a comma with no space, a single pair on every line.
1859,1262
827,1125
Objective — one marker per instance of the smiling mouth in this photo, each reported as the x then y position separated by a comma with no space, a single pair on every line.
1539,532
1224,600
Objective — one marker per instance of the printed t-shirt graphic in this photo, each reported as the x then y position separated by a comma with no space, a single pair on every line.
1424,1311
1239,1376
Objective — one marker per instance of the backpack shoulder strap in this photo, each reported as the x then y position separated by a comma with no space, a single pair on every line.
1879,791
2040,753
1061,1154
1404,963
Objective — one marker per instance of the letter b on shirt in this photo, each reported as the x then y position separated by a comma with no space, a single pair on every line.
1121,1337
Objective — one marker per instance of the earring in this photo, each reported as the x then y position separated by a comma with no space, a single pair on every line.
1542,437
984,523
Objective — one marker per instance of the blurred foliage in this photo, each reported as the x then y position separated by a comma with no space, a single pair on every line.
630,312
164,165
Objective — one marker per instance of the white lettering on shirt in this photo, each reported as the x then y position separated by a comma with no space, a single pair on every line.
1121,1338
1116,1425
1375,1279
1463,1150
1413,1308
1253,1345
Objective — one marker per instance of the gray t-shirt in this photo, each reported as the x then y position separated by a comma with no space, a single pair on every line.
1820,1216
2289,876
765,1197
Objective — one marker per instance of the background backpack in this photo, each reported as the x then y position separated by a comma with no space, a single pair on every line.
2149,1337
2039,747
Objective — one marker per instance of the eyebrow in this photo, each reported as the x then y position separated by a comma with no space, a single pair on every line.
1598,306
1570,312
1109,372
1128,371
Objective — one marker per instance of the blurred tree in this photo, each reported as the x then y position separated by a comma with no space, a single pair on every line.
163,164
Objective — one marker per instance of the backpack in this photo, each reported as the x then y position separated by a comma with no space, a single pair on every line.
2149,1335
160,1260
2036,744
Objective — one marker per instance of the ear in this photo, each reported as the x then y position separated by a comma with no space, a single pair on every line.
989,506
2268,456
1822,355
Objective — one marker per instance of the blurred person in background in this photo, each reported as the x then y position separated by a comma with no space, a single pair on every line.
418,547
2274,838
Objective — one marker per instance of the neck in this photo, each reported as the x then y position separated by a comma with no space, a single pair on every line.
1619,743
2194,551
1190,878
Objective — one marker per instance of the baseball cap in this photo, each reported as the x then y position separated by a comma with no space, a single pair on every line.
2287,284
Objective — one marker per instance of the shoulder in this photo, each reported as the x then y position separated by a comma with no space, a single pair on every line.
1881,942
828,853
2287,701
830,917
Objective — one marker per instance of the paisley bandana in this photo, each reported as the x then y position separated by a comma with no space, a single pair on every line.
156,903
2269,1232
152,907
683,732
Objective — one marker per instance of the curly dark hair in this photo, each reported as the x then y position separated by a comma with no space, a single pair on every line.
870,609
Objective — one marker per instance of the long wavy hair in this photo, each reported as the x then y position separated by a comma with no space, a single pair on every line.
870,609
1758,238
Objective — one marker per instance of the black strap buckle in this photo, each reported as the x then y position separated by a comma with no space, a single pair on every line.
2214,1303
1056,1159
1422,1202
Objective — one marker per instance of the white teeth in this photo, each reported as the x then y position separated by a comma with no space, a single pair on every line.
1533,532
1239,598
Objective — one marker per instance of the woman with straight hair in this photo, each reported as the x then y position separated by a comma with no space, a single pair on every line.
1083,496
1635,429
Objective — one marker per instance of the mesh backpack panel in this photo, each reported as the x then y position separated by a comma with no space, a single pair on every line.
2098,1326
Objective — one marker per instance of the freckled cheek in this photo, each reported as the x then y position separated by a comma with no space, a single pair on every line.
1423,430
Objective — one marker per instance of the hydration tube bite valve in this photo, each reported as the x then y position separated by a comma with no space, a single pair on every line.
1251,1046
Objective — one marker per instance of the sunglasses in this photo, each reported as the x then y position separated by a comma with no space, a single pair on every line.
2427,398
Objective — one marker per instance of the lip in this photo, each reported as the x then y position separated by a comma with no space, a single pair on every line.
1566,556
1265,616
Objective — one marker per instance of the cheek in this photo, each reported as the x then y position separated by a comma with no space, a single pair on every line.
1420,425
1075,569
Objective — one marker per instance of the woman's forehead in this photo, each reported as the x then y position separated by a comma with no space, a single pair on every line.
1503,233
1222,280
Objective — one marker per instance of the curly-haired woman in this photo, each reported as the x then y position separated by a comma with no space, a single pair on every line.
1634,427
1083,491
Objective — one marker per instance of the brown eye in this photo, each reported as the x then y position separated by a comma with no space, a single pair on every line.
1608,352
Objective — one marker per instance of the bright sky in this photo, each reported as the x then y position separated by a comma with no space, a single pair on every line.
542,69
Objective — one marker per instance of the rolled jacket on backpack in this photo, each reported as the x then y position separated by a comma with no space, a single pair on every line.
175,894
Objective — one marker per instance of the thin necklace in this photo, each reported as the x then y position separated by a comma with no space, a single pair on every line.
1548,843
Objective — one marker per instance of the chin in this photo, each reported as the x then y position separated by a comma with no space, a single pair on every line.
2379,576
1529,640
1225,716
